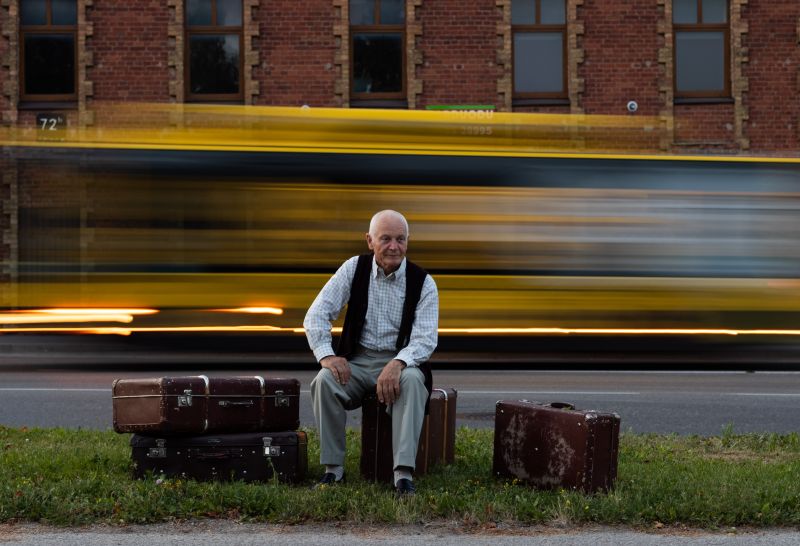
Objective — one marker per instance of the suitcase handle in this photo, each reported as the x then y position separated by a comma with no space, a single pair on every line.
561,405
229,403
217,455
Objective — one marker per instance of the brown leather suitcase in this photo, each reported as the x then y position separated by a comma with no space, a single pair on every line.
436,442
249,457
198,404
555,445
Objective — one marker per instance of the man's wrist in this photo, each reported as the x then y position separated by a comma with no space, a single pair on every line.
321,353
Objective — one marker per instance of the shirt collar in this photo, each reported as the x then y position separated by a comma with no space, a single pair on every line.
398,274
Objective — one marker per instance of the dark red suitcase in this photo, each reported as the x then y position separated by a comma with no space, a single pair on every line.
436,442
197,404
249,457
555,445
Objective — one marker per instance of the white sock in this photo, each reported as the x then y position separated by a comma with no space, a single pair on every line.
335,469
400,474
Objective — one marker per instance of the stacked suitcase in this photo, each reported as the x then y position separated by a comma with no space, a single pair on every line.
229,428
436,440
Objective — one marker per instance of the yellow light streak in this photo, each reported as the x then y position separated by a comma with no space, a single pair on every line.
63,330
255,310
89,311
40,318
63,314
454,331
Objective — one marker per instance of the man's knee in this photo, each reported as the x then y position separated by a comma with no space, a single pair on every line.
412,378
323,381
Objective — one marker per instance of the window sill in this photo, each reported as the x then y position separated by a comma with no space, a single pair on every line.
47,105
703,100
397,104
540,102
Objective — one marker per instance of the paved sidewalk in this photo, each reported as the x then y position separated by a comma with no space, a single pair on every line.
225,533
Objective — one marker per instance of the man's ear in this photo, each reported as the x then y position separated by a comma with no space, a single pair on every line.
369,242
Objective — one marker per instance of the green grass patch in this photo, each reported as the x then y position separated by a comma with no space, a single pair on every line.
68,477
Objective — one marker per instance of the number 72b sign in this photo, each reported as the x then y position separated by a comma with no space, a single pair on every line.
51,122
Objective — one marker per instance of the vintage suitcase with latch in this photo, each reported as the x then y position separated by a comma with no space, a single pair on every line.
436,441
198,404
249,457
554,445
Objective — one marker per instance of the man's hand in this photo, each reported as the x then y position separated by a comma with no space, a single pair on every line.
388,388
339,367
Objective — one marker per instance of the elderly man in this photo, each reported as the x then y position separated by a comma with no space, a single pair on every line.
390,331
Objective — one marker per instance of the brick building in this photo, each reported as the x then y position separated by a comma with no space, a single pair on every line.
722,76
738,61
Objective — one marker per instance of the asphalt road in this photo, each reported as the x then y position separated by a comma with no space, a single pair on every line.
682,402
235,534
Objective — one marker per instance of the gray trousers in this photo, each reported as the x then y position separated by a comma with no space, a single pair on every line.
331,401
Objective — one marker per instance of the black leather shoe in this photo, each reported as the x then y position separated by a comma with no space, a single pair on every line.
404,488
328,480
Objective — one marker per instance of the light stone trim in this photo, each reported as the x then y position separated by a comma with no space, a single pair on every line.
740,84
252,88
341,54
85,60
9,23
175,55
503,57
575,31
414,57
665,85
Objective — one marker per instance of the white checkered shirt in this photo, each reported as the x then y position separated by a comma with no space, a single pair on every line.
384,313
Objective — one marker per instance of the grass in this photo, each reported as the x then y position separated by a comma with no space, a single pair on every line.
68,477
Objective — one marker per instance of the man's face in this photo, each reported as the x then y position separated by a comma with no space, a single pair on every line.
389,243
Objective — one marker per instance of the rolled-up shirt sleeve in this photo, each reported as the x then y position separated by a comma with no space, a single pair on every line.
425,331
326,308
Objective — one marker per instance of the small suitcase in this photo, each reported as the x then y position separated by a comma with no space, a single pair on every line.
436,442
198,405
555,445
249,457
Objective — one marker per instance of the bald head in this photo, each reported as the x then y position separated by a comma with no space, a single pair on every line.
388,239
386,216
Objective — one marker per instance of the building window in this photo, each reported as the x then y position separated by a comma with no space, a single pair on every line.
377,49
539,41
213,59
702,48
48,34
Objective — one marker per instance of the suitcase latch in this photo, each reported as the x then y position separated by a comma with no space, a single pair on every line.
186,400
269,449
280,400
158,452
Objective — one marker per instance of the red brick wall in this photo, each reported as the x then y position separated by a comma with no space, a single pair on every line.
621,45
130,45
773,75
296,45
38,187
705,126
459,47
